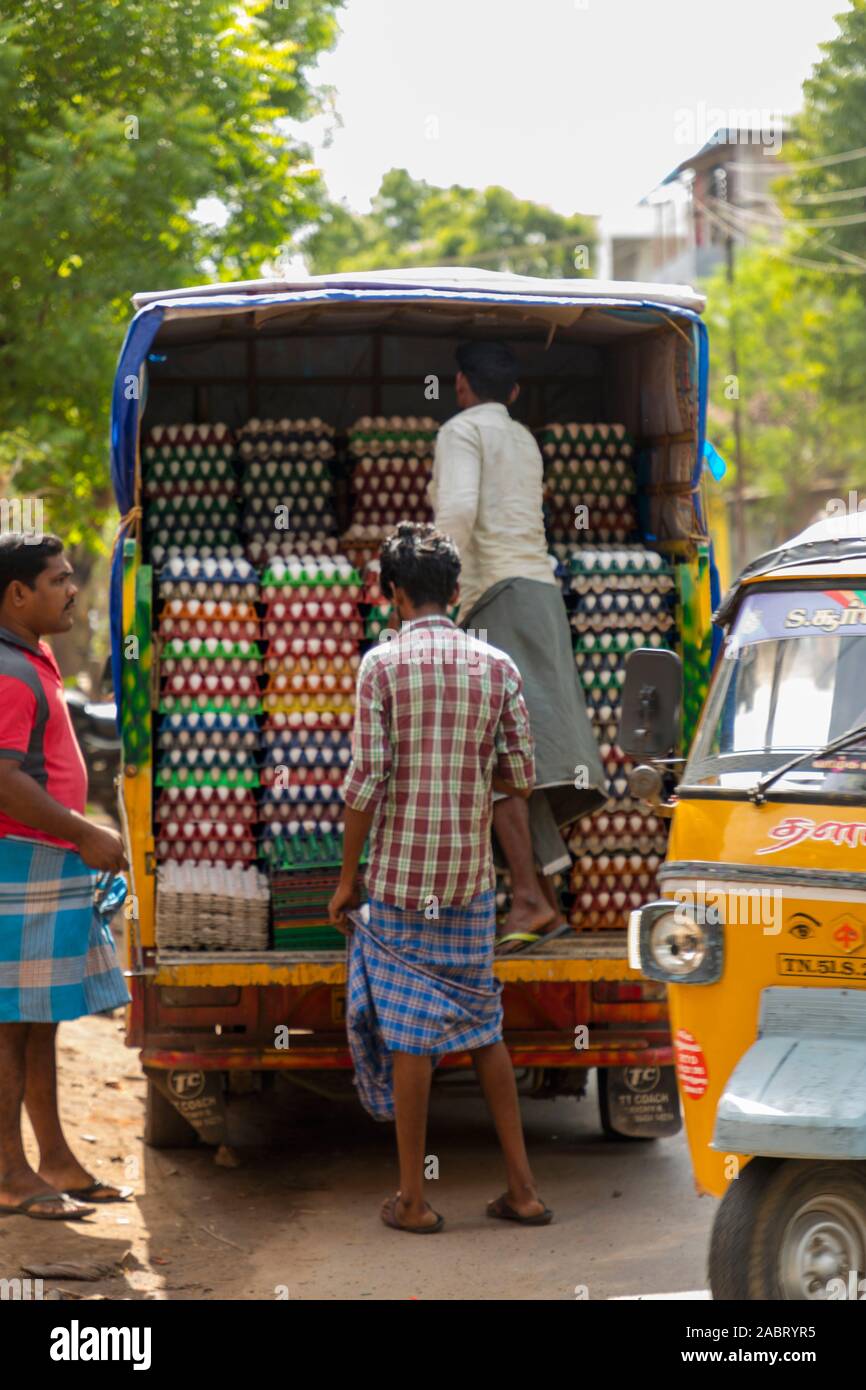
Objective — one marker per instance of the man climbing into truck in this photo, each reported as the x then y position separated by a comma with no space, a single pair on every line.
487,495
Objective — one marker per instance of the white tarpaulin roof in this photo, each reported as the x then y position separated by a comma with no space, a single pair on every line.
463,279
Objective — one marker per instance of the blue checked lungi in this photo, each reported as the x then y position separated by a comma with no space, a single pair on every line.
419,985
57,954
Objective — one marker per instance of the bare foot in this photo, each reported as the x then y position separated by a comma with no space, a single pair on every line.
529,914
65,1172
523,1205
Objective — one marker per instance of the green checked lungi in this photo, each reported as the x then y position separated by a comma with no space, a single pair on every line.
527,619
57,955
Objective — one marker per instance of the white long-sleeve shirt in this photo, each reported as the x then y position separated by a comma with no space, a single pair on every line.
486,493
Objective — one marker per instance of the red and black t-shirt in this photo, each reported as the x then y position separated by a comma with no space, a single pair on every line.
36,730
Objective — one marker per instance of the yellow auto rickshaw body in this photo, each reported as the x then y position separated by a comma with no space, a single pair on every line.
786,868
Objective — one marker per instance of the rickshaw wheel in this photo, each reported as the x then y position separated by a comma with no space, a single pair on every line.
786,1228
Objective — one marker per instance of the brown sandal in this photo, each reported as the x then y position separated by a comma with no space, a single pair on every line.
71,1210
389,1216
99,1192
503,1211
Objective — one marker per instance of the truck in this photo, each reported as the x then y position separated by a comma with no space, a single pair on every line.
609,371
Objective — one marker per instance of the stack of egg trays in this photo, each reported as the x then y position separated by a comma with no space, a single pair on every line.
590,484
618,598
190,492
287,490
392,467
208,736
313,630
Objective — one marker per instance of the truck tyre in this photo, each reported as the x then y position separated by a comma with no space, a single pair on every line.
604,1115
787,1228
164,1128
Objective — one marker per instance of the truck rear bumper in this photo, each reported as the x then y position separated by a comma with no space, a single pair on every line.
524,1053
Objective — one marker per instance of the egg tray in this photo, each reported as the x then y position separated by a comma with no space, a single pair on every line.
227,686
163,549
308,720
299,742
197,810
307,817
242,777
170,704
210,922
318,705
261,552
309,637
284,750
211,758
287,854
188,489
260,513
208,850
290,475
280,575
301,794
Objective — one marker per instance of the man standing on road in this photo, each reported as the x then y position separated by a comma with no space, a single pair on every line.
439,724
57,956
487,495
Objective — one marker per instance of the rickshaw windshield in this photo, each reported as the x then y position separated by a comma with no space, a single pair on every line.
792,677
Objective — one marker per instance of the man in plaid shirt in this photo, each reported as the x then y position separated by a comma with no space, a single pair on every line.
440,723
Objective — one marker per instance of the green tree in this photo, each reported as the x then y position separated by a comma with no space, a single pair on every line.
144,144
824,196
413,222
800,442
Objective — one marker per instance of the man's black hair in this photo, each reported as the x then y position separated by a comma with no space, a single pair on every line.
421,561
24,558
490,368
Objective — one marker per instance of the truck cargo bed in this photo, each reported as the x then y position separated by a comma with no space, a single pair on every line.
584,956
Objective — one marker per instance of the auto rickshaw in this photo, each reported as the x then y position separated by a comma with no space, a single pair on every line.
760,935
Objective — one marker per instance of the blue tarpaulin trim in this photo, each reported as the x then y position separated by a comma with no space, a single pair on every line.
145,326
124,428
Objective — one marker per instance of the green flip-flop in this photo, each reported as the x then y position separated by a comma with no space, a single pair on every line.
529,938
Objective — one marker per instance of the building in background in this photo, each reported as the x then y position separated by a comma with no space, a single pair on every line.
710,203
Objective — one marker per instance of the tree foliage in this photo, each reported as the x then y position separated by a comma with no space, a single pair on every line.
832,123
412,222
144,144
792,341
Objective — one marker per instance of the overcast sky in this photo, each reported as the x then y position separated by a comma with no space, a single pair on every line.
581,104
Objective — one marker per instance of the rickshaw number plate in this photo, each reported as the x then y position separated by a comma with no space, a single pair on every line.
822,967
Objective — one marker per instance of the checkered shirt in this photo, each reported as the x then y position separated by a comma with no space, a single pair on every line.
438,714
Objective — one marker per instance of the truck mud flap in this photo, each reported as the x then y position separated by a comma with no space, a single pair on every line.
641,1102
197,1096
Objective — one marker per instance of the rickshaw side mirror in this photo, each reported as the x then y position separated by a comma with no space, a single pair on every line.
652,700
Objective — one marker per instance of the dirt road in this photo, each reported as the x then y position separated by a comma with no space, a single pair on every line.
298,1218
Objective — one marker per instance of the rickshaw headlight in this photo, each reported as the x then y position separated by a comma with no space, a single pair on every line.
677,944
667,942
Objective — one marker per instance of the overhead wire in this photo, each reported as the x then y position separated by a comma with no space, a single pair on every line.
793,259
